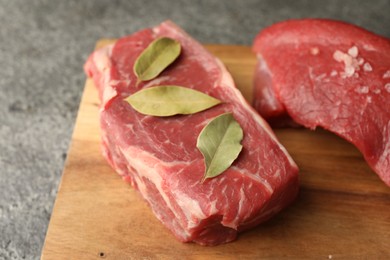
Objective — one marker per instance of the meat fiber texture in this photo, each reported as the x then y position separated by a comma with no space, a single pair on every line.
329,74
159,157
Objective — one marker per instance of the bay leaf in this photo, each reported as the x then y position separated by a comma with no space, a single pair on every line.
170,100
220,144
156,57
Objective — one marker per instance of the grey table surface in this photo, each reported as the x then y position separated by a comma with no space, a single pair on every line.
43,45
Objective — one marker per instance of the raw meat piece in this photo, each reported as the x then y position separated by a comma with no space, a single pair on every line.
329,74
158,156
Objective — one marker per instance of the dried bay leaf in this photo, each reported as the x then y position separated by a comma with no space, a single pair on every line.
156,57
170,100
220,144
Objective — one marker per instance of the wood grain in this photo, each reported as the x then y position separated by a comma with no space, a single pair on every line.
342,211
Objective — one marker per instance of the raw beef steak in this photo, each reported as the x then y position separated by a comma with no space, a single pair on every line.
159,157
329,74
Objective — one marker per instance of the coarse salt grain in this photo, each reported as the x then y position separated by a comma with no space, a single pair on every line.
353,51
350,63
314,51
386,75
338,55
367,67
333,73
369,99
377,91
349,70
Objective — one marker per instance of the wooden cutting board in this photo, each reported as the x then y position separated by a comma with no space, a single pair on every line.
342,211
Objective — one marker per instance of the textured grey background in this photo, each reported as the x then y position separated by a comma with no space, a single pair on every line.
43,45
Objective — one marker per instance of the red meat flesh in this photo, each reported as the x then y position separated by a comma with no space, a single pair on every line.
329,74
158,156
